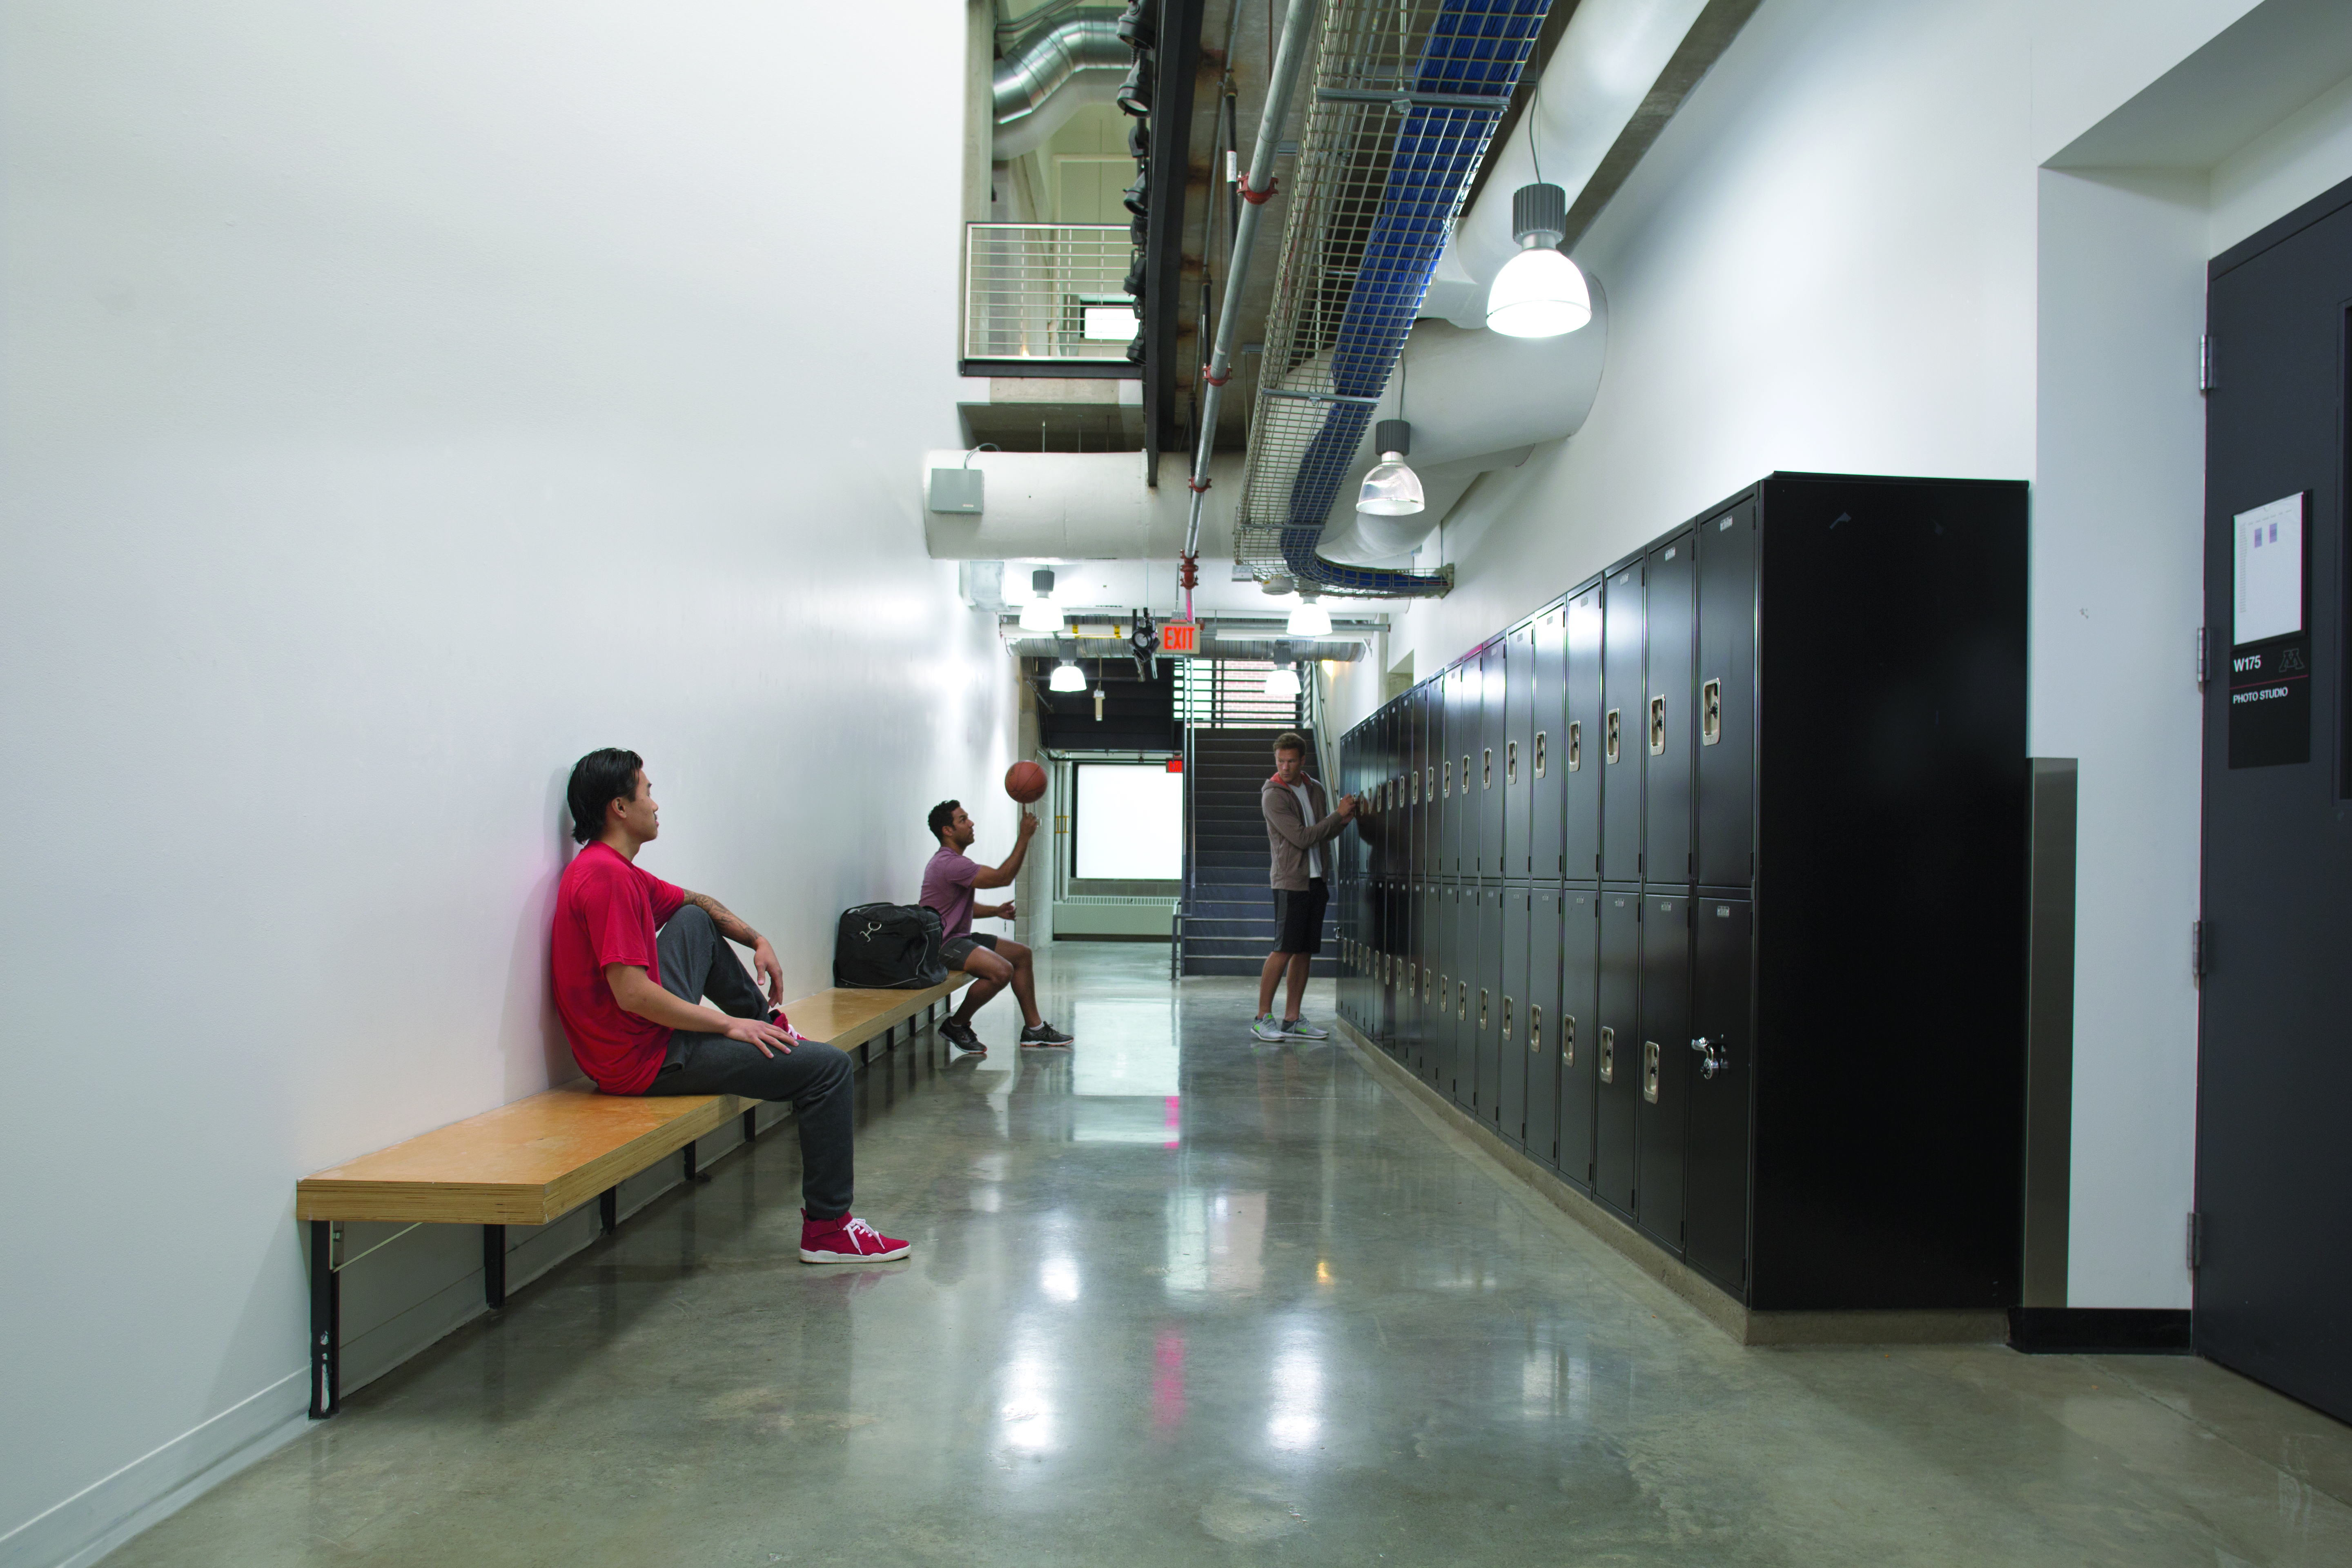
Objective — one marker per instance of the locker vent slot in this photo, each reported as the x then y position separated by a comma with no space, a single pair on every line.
1657,726
1539,753
1608,737
1608,1053
1710,712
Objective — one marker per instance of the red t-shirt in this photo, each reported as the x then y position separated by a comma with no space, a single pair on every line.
606,911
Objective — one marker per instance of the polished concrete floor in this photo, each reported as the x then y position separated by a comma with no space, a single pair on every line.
1181,1298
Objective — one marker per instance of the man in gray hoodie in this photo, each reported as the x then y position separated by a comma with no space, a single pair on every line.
1298,824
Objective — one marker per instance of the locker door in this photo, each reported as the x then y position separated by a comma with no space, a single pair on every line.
1441,1024
1543,762
1579,1030
1411,760
1727,698
1486,1003
1539,1042
1510,1098
1580,765
1372,826
1462,1079
1452,800
1516,760
1409,984
1489,760
1721,1080
1392,964
1617,1050
1668,728
1620,749
1662,1111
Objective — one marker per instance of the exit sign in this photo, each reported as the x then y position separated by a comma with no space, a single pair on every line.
1179,636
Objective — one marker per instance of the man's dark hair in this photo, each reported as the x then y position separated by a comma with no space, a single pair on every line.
943,814
598,779
1290,741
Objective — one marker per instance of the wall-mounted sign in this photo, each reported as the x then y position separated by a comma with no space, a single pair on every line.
2270,652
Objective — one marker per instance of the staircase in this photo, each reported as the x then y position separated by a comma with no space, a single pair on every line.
1226,923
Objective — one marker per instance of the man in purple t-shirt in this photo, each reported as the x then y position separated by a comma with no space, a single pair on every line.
993,962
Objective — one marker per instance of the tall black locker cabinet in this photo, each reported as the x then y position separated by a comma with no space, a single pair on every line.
1716,888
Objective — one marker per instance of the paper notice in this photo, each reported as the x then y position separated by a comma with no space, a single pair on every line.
2270,570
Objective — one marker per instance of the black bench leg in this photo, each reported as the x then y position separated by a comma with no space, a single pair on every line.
685,1155
608,1209
750,1125
494,1267
326,1323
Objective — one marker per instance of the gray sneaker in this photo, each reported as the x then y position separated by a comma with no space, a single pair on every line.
1266,1028
1300,1029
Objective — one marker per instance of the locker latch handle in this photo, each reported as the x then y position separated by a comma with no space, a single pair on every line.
1510,762
1461,999
1486,768
1657,726
1710,712
1575,744
1608,1053
1713,1059
1534,1028
1481,1007
1650,1071
1506,1018
1610,737
1567,1039
1539,753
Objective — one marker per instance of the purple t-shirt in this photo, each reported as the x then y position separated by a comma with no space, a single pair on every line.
947,887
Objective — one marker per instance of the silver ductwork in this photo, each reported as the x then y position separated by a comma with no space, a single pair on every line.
1338,651
1079,60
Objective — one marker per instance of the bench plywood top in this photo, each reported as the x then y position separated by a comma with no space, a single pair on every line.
539,1158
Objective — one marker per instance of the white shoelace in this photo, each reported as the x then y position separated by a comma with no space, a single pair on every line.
857,1228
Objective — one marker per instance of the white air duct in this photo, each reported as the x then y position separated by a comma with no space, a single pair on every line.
1078,506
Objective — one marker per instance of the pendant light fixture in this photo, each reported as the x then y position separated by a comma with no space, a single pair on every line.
1282,683
1539,293
1311,619
1067,677
1391,490
1041,614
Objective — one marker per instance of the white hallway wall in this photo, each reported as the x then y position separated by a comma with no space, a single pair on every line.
1842,255
399,403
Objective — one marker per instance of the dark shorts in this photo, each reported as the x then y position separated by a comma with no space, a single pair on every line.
954,952
1298,917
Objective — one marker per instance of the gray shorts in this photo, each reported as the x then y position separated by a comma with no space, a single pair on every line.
954,952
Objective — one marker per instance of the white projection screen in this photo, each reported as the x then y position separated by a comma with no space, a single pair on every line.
1131,822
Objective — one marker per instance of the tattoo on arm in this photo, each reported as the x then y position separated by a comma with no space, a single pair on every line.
731,925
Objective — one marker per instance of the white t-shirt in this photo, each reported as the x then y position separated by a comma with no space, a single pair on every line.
1306,814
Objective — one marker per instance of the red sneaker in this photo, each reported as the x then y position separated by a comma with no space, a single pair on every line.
847,1240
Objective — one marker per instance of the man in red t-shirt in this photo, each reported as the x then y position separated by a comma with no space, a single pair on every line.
631,1000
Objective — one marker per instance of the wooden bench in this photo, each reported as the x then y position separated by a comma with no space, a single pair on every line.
537,1160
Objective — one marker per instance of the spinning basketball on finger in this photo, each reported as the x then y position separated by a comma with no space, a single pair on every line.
949,886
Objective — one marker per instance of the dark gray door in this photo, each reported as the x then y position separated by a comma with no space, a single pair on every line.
1617,1049
1580,752
2275,1080
1493,685
1726,698
1662,1111
1546,860
1511,1023
1669,732
1450,799
1715,1200
1516,760
1539,1046
1580,958
1620,749
1486,1003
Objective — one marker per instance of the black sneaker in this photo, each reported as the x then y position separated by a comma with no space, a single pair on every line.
959,1035
1044,1034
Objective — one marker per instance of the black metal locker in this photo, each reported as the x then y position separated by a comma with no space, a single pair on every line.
1581,769
1539,1035
1621,751
1669,730
1425,758
1453,786
1509,1098
1715,1199
1617,1050
1726,698
1425,1037
1472,950
1662,1112
1415,739
1515,762
1439,1069
1486,1001
1548,704
1408,1032
1578,1030
1493,692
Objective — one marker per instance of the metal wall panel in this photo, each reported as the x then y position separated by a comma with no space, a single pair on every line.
1621,751
1662,1112
1714,1201
1581,771
1669,726
1515,764
1547,707
1579,1030
1617,1049
1727,716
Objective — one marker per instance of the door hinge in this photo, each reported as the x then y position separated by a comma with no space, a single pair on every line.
2205,377
2196,1238
2197,950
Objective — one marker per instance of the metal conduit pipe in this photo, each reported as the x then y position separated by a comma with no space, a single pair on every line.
1289,59
1080,61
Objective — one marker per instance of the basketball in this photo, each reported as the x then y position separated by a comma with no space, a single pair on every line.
1025,781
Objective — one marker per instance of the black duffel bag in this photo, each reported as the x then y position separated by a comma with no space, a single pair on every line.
888,947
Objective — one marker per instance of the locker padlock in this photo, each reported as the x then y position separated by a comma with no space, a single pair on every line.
1535,1029
1506,1018
1608,1053
1710,712
1575,744
1657,726
1539,753
1650,1071
1486,768
1510,762
1712,1058
1481,1007
1567,1039
1609,737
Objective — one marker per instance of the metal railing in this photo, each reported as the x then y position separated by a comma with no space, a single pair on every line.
1230,693
1047,291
